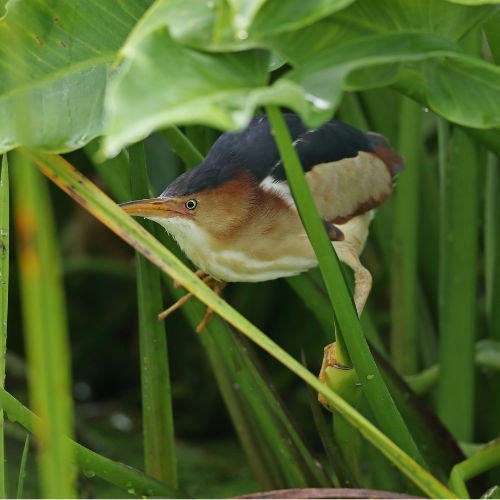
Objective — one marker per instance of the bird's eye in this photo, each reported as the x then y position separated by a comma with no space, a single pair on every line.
191,204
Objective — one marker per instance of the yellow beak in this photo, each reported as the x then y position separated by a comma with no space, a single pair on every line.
155,207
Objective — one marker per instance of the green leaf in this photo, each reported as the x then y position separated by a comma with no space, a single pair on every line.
426,16
243,12
54,58
223,90
277,16
247,24
474,2
465,90
216,90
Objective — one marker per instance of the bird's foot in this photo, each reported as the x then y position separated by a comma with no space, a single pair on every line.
340,378
215,285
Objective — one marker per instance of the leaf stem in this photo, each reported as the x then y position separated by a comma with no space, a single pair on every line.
457,304
404,344
181,145
485,459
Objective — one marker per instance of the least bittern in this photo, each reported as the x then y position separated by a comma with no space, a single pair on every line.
234,215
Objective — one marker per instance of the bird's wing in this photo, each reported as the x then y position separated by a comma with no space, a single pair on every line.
348,171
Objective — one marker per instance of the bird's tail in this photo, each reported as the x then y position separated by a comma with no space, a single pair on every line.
393,160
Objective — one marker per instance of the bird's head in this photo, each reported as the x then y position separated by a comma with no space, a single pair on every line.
198,204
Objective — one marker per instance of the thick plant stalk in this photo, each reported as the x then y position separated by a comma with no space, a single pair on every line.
158,421
485,459
458,268
181,145
45,330
4,297
404,342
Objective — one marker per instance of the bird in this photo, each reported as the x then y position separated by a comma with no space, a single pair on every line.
234,215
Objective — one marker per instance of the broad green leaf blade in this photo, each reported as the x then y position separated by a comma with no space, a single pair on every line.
223,89
158,420
120,475
4,296
246,24
98,204
457,78
147,95
435,17
243,13
277,16
474,2
45,329
54,58
465,90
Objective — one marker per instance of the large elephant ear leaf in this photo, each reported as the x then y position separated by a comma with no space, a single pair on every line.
162,82
465,90
54,59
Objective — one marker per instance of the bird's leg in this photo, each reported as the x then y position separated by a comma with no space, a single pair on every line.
204,277
362,277
215,285
362,288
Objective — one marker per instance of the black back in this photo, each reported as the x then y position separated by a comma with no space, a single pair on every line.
254,150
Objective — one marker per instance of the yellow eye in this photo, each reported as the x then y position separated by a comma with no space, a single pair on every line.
191,204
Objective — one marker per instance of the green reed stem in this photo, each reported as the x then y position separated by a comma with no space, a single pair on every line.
4,297
181,145
45,329
458,267
485,459
158,420
404,344
22,467
458,278
123,476
492,246
386,413
104,209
